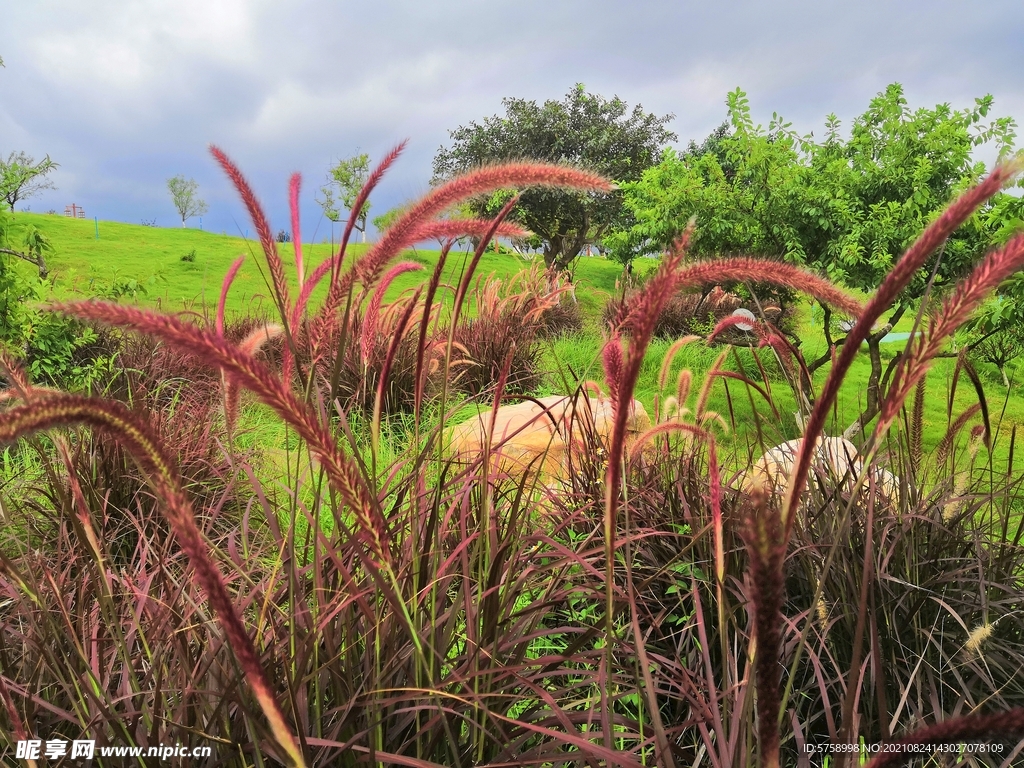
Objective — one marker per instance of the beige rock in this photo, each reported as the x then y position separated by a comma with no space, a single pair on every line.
535,435
836,460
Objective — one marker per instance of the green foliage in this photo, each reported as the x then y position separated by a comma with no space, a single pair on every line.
583,129
185,195
189,256
389,217
847,207
49,343
21,176
344,181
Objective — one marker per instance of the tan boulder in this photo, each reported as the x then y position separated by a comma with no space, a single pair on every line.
836,460
535,435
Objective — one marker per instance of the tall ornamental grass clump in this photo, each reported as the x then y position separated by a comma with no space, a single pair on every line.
420,611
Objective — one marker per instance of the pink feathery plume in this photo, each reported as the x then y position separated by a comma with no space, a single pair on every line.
955,310
748,269
389,359
225,286
421,343
259,221
371,182
404,232
373,310
431,230
142,443
336,292
453,229
250,373
250,345
310,284
611,358
958,730
480,181
767,553
937,232
293,204
663,429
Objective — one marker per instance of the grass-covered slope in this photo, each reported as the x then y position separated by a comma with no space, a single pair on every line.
152,257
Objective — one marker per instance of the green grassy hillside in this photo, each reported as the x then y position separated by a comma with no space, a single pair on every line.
82,264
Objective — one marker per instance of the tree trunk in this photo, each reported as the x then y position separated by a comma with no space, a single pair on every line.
875,394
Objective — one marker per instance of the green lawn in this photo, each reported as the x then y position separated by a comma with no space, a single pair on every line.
82,264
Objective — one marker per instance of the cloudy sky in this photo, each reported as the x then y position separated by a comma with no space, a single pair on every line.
127,93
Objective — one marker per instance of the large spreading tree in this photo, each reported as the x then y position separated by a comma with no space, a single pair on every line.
585,130
848,207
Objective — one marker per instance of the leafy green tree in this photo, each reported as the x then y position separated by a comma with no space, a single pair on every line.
21,177
583,129
344,181
185,194
389,217
847,207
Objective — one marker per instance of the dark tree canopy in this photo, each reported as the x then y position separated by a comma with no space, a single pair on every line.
585,130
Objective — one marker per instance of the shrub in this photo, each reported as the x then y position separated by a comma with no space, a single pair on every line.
501,337
699,313
190,256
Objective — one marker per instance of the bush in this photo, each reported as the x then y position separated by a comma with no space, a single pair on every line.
190,256
502,334
698,313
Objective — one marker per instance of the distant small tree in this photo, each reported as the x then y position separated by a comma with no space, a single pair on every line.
389,217
344,181
186,200
21,176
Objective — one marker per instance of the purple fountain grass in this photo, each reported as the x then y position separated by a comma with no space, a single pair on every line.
467,277
370,318
117,422
430,230
250,345
262,226
622,367
954,312
421,342
483,180
634,310
364,194
294,186
335,291
767,551
957,730
767,336
253,375
389,359
666,427
405,231
912,260
225,286
446,229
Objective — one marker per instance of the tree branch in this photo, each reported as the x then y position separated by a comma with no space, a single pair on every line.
38,261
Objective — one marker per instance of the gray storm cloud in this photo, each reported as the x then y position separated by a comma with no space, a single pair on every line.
127,94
